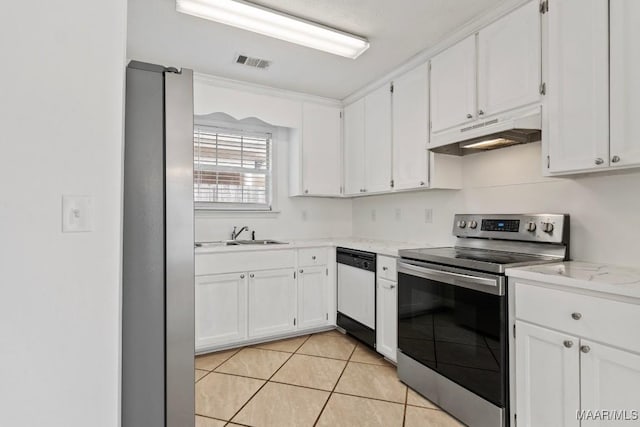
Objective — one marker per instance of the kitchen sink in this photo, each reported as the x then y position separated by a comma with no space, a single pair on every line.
237,243
260,242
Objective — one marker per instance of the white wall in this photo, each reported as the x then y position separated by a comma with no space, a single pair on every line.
298,217
61,99
604,209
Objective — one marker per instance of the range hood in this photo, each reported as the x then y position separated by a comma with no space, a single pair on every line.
517,127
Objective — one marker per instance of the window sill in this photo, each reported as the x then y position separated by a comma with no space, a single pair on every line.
235,213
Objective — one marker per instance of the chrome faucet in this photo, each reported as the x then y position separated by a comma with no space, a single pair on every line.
234,234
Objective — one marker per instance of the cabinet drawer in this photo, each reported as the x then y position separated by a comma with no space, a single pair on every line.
229,262
386,267
312,256
600,319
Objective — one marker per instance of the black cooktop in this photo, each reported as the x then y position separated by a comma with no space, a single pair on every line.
477,259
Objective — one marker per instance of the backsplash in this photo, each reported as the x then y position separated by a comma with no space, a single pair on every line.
604,209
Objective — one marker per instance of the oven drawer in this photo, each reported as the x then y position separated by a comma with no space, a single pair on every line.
600,319
387,268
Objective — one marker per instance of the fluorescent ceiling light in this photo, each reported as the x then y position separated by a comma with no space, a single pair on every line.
270,23
492,143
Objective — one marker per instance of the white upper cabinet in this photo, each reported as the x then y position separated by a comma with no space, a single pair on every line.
354,146
411,129
321,149
315,152
509,61
377,152
453,85
625,84
576,109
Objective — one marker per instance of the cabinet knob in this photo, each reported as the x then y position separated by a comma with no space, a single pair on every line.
599,161
313,257
392,286
421,182
242,276
384,268
306,191
252,275
576,316
585,348
568,343
301,271
615,159
469,116
480,113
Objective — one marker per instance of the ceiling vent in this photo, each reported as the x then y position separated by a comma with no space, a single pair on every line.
253,62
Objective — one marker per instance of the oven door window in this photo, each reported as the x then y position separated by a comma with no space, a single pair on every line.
455,331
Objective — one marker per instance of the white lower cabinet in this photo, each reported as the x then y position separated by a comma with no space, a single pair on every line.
387,318
312,297
274,297
220,309
567,370
548,377
272,302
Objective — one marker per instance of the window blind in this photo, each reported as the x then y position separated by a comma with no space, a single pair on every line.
231,168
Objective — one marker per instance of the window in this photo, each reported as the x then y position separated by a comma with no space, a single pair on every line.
232,168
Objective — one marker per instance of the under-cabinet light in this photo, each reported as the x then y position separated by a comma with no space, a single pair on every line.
268,22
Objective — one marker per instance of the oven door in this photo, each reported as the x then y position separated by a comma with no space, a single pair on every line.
454,321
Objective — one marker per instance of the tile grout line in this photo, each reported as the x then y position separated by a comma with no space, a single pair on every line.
335,385
404,412
265,382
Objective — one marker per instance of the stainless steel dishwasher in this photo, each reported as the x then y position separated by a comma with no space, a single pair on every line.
357,294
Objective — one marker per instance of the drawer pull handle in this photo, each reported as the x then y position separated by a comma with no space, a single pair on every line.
242,276
576,316
568,343
252,275
384,268
585,349
313,257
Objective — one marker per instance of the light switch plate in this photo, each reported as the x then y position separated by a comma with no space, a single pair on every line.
77,214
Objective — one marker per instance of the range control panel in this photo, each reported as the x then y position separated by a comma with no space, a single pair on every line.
547,228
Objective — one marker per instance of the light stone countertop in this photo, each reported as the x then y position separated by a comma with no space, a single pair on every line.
381,247
602,278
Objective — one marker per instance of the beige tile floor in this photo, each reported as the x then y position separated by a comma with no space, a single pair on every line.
325,379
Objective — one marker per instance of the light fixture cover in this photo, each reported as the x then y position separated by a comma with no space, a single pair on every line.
240,14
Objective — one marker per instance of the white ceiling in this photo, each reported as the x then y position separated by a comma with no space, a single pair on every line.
396,29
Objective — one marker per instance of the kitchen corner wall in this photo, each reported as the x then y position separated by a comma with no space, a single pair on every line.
298,217
604,209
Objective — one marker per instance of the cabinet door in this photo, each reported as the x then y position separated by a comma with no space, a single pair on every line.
410,129
378,140
312,297
577,102
354,168
609,380
453,85
547,377
509,61
625,85
220,309
387,318
272,302
321,150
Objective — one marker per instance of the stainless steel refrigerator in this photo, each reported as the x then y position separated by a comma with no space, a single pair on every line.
158,241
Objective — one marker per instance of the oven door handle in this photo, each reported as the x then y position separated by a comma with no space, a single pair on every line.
488,285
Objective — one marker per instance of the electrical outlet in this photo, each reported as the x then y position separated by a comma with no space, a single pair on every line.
373,215
398,214
428,216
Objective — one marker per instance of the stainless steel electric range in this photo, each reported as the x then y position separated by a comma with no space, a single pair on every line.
453,310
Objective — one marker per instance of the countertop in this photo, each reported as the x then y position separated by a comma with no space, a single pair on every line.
602,278
381,247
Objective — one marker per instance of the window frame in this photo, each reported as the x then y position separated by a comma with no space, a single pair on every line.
249,129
